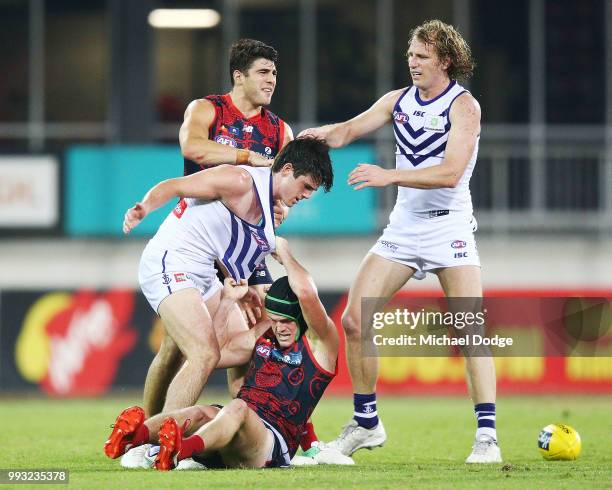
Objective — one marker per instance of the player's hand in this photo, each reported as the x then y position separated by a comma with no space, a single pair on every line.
318,133
280,212
133,216
282,248
251,305
234,290
366,175
256,160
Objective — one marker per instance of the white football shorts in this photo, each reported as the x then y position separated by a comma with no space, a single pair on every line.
163,272
430,240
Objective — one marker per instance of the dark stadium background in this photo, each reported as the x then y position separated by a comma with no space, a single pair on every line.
92,97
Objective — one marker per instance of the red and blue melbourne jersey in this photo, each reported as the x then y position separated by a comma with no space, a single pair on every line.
262,133
284,386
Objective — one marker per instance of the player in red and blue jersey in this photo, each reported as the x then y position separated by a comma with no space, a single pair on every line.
237,129
285,381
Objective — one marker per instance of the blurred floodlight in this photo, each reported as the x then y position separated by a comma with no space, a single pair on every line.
184,18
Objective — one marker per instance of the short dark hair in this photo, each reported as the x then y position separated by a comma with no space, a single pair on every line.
245,51
309,156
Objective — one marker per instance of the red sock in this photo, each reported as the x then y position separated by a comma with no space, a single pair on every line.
308,436
141,436
191,445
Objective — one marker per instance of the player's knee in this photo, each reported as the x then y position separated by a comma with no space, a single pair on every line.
351,323
206,356
238,408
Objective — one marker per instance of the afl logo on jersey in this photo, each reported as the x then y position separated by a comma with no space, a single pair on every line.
263,351
226,140
400,117
263,244
458,244
268,150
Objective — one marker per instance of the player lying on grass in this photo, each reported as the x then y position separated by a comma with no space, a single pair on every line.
285,381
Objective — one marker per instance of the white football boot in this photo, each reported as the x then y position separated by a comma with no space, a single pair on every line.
189,464
321,453
485,450
302,460
355,437
331,455
140,457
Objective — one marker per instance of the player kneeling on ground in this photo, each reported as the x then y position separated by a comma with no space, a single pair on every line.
285,381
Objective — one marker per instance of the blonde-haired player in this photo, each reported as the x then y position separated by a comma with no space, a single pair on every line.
436,123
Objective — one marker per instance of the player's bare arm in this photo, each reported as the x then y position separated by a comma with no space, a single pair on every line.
233,291
238,348
216,183
287,136
196,146
314,313
465,119
251,303
341,134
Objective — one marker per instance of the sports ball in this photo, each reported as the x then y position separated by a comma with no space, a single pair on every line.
559,442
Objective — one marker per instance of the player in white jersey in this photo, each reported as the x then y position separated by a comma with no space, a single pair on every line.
225,214
437,126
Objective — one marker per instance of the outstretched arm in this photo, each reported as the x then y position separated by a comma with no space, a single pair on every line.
341,134
196,146
215,183
304,288
465,118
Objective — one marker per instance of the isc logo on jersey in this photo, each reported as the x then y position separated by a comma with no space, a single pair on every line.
226,140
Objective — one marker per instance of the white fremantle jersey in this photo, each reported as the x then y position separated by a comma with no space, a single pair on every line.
421,131
200,231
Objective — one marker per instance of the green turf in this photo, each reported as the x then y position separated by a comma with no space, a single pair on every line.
429,439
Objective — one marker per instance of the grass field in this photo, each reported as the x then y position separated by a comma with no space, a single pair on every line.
429,439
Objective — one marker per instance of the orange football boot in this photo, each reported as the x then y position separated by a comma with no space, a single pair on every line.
124,428
170,441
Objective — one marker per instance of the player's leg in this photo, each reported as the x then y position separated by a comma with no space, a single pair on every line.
378,278
252,444
235,375
164,367
236,432
189,324
131,430
190,418
465,282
